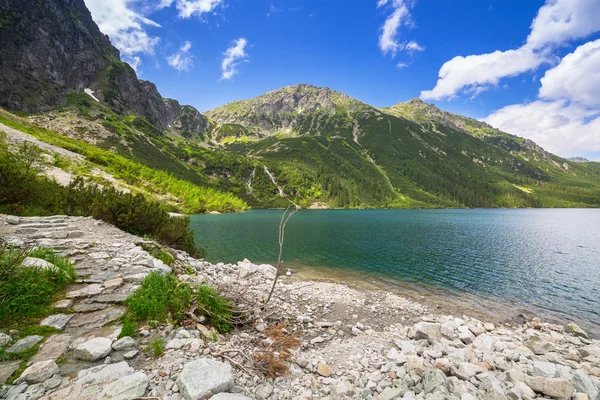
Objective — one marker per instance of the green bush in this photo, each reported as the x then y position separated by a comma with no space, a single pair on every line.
27,292
24,192
215,308
160,297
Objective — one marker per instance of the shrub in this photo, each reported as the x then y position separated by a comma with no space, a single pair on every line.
29,291
160,297
215,308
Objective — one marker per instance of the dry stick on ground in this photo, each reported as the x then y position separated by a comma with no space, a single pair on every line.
282,223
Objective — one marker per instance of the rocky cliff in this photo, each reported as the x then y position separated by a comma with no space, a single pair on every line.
53,48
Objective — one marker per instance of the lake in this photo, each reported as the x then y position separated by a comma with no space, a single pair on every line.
546,261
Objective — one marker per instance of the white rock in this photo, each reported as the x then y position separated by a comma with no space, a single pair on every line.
128,387
89,290
39,372
123,344
57,321
204,375
94,349
103,374
428,331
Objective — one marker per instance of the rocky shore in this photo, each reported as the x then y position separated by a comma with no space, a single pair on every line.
354,344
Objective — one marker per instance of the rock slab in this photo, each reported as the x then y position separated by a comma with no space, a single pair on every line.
204,375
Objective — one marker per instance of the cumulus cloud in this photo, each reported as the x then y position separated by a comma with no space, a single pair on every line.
125,27
557,22
559,126
560,21
476,73
576,78
182,60
233,56
566,118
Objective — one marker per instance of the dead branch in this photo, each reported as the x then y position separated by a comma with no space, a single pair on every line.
285,217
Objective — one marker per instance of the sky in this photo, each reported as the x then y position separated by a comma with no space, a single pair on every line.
528,67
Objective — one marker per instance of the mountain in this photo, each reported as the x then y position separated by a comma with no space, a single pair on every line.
408,155
52,49
316,146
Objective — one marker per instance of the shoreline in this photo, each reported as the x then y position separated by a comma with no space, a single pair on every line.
353,342
440,300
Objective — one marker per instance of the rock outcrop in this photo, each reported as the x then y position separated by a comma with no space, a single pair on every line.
53,48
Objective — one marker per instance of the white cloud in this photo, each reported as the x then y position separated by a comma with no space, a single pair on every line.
557,22
125,27
566,119
413,46
189,8
234,55
388,40
576,78
477,72
560,21
401,65
135,63
558,126
182,60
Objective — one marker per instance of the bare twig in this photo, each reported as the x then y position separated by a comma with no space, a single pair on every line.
285,217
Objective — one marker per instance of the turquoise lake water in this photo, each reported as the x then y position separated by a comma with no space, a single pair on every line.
546,261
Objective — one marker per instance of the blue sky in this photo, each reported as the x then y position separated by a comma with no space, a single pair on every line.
516,57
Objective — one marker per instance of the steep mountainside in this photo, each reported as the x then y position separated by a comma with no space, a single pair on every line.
53,48
412,154
316,146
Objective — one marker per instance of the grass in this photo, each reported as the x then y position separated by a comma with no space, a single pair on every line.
215,308
26,355
160,297
28,292
159,253
157,346
129,326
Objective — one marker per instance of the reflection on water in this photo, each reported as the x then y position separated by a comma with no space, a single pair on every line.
546,261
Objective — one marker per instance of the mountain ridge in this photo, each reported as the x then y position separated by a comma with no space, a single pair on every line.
321,146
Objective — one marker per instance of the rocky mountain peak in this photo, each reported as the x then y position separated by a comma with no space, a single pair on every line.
53,48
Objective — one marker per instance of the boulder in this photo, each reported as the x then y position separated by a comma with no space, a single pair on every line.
466,371
39,372
263,391
553,387
7,368
4,339
103,374
24,344
128,387
94,349
545,369
57,321
583,383
574,330
428,331
539,346
433,379
391,394
86,291
204,375
123,344
323,370
590,350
